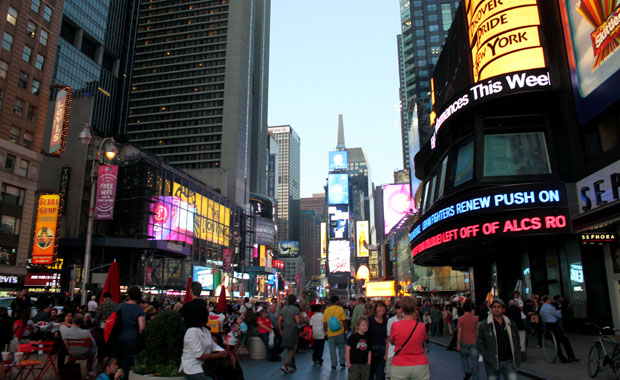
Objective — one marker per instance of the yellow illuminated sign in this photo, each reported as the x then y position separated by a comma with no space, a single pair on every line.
380,289
504,36
262,258
361,238
323,240
44,245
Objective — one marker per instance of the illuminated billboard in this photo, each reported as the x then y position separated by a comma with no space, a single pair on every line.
503,38
338,189
339,256
397,202
338,160
592,32
380,289
172,219
288,248
361,238
323,240
45,229
204,275
62,110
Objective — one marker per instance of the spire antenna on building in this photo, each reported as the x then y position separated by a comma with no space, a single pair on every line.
340,145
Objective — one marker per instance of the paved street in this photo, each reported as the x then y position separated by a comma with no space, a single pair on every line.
445,365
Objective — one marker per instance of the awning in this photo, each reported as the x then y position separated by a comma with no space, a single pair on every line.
160,245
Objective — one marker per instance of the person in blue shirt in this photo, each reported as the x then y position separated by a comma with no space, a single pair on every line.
550,317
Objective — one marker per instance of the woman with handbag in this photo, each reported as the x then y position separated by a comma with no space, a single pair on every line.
408,337
264,329
377,331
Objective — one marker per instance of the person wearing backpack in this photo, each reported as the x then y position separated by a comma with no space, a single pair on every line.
335,321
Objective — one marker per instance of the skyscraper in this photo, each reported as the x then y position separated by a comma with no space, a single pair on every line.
199,90
313,212
29,39
424,26
288,182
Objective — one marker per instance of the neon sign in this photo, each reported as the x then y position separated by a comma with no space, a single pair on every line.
552,221
496,199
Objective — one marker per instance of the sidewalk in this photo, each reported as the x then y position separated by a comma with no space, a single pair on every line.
537,366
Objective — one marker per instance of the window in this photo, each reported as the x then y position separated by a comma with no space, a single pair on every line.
13,195
47,13
18,107
433,28
420,43
22,80
515,154
32,29
431,7
43,37
435,39
40,61
9,225
4,69
464,164
14,135
35,87
9,163
22,170
11,17
27,55
27,143
432,18
32,112
7,41
35,5
446,16
442,179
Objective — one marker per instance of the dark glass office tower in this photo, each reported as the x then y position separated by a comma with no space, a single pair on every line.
424,26
199,90
94,58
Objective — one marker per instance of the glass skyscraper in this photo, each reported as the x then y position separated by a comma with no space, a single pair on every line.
199,94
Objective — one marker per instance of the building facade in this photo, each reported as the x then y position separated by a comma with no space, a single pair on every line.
313,212
289,164
29,45
199,91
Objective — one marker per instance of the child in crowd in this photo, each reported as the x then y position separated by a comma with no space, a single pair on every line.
318,333
358,352
237,330
109,370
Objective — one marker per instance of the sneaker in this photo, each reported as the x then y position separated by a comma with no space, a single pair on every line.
285,369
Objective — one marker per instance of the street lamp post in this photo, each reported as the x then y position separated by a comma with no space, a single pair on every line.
85,137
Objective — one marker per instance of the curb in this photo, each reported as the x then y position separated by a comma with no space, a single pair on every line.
523,372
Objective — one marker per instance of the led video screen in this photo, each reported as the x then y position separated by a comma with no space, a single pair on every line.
172,219
339,256
338,189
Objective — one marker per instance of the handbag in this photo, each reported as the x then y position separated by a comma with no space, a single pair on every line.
407,341
534,318
272,338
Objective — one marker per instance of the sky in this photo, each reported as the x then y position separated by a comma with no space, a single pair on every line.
330,57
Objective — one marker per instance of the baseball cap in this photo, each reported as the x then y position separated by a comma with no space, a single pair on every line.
499,301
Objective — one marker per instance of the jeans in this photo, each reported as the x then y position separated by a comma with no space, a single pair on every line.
377,362
506,370
561,339
469,360
265,338
358,372
289,360
334,342
435,329
125,350
317,350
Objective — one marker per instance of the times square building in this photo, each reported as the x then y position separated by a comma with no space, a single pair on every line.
520,178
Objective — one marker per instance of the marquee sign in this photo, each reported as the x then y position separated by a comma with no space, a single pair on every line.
503,36
62,110
44,245
598,237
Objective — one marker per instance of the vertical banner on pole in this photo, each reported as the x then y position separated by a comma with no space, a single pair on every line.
106,192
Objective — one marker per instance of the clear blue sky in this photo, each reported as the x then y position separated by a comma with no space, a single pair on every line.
330,57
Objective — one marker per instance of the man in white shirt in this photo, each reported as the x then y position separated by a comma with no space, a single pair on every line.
92,306
198,346
82,351
318,334
390,347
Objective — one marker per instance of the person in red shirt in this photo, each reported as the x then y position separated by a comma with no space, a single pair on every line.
467,332
264,328
408,337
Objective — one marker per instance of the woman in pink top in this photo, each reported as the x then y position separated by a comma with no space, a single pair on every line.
410,361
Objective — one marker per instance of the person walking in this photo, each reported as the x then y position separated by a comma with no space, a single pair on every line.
287,324
550,317
358,353
515,314
447,320
129,340
408,337
335,323
467,342
358,311
378,336
318,334
435,320
398,315
498,343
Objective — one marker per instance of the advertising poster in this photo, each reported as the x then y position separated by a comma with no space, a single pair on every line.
227,260
204,275
338,189
106,192
592,31
339,256
397,202
172,220
45,229
262,259
289,248
361,238
338,160
323,240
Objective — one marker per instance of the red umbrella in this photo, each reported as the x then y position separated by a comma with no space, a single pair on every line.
113,283
188,291
221,302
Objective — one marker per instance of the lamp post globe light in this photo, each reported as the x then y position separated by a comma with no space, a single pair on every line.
108,145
